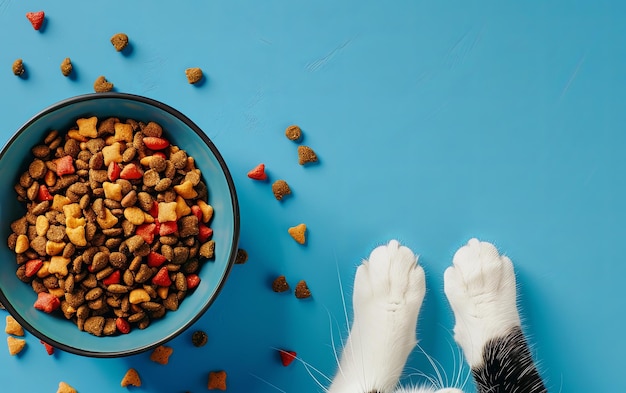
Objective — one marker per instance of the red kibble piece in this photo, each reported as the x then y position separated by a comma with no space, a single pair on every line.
196,211
155,143
123,326
258,172
131,172
65,165
160,154
167,228
204,232
193,280
155,259
47,302
113,171
32,267
286,357
146,231
154,210
36,19
113,278
49,348
43,194
162,278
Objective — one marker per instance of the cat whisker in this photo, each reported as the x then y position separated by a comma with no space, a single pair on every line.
268,383
436,367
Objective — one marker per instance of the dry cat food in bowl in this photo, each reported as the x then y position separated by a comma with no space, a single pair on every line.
120,221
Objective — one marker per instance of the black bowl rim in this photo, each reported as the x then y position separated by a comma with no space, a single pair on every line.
235,206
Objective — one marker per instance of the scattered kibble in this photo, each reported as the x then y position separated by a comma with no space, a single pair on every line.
241,257
161,354
287,357
258,172
66,66
36,19
194,75
302,290
199,338
293,133
18,67
306,155
131,378
16,345
13,327
280,188
119,41
280,284
298,233
64,387
217,380
102,85
49,348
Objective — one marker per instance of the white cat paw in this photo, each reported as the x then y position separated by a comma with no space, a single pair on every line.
480,286
389,289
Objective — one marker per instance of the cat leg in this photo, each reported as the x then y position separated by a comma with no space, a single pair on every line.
389,289
480,286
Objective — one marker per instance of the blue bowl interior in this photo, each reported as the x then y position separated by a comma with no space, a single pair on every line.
19,297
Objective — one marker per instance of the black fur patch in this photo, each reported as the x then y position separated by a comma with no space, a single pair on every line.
508,367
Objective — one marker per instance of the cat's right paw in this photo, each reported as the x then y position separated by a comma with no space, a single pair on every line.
480,287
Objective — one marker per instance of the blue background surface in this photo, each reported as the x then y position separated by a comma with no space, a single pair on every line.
434,122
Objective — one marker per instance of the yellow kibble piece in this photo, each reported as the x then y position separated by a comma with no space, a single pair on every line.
13,327
72,210
58,265
112,153
206,209
58,292
65,388
21,244
74,134
145,161
112,191
123,132
109,220
54,248
162,292
42,225
182,208
185,190
59,201
74,222
87,127
134,215
298,233
167,211
16,345
77,235
138,295
44,271
147,218
131,378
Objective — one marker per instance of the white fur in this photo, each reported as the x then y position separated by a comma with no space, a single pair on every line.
480,287
389,289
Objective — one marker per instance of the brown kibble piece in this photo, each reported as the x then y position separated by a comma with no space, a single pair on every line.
94,325
66,67
131,378
64,387
16,345
298,233
217,380
194,75
280,284
13,327
293,133
306,155
161,354
102,85
18,67
241,257
199,338
280,188
302,290
119,41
